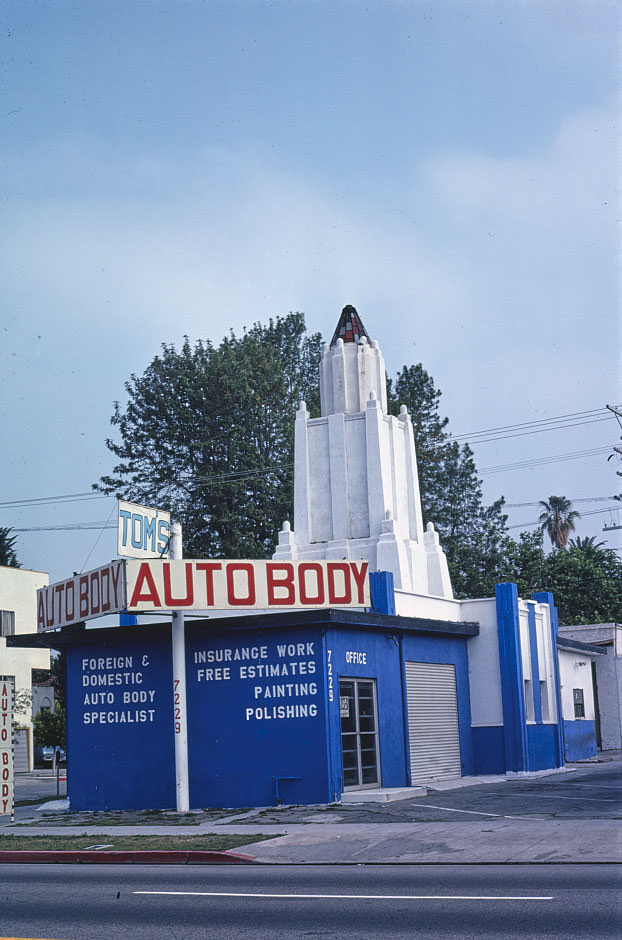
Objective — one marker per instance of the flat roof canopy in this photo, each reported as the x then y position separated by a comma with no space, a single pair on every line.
326,617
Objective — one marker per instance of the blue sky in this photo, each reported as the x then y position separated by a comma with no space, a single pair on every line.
176,168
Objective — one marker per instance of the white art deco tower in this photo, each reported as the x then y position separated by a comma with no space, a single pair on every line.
356,487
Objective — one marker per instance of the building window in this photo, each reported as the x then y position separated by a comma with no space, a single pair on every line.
544,700
7,623
579,705
530,712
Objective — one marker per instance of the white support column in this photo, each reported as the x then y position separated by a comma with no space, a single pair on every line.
378,474
338,367
180,718
339,495
381,377
302,492
415,516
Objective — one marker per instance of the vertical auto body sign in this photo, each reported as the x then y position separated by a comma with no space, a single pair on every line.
143,532
6,745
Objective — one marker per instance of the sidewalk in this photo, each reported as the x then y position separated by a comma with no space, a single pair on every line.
321,835
493,841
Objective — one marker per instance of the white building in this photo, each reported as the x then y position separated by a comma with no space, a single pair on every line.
18,614
607,675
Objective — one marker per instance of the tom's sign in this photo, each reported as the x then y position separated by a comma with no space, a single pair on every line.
142,532
138,586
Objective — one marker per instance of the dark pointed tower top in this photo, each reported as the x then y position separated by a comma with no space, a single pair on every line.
350,327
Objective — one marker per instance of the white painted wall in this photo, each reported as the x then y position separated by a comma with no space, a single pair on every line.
575,672
525,649
18,593
42,697
484,673
546,663
431,608
608,676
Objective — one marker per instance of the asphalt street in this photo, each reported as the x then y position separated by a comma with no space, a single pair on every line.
345,902
40,785
589,791
567,816
593,792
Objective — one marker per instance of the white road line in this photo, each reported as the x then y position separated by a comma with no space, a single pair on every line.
354,897
592,799
471,812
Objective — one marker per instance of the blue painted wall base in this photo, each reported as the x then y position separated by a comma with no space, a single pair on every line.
541,749
580,739
488,750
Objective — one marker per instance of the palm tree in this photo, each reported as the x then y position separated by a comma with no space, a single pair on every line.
8,555
557,519
589,546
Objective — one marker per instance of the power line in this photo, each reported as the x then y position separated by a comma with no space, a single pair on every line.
505,437
70,527
237,475
51,500
523,525
537,421
540,461
241,475
537,426
586,499
85,526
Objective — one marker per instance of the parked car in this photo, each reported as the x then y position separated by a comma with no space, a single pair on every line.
44,756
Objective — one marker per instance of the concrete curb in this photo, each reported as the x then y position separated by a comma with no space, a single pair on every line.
147,857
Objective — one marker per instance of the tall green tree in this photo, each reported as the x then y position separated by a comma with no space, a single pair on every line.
50,727
8,555
471,533
558,519
525,563
208,433
586,584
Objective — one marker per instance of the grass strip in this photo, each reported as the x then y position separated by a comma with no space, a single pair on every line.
210,842
151,817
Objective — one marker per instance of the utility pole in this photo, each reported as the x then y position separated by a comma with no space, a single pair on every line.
618,450
179,689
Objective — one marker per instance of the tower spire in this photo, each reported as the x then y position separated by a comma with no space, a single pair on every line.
356,487
350,327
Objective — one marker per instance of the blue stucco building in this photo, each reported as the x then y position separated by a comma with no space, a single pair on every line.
302,706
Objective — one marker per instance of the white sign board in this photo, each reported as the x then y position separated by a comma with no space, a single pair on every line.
136,586
92,594
143,532
6,745
245,585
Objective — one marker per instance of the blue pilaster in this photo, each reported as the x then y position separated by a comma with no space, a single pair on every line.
512,688
545,597
535,667
382,592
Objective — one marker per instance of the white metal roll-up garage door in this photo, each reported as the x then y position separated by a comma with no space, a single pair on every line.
20,752
432,721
